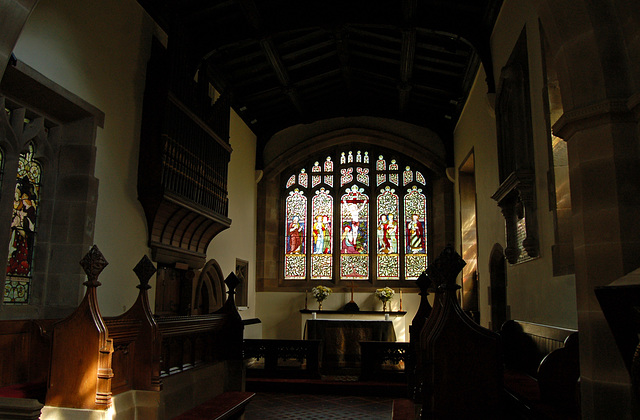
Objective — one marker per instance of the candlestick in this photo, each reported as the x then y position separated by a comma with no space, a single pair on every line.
400,300
305,298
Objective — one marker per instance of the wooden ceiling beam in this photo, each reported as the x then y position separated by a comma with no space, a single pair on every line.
313,60
374,47
252,15
407,56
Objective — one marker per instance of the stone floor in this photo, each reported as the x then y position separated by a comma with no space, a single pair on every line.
270,405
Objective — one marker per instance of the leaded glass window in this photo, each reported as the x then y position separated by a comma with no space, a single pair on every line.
371,225
23,229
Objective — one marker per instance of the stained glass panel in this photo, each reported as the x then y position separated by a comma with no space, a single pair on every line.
328,165
295,235
363,175
316,167
420,178
358,157
291,181
393,166
381,165
347,176
303,178
381,179
321,234
407,176
350,157
315,180
23,229
366,157
393,178
328,179
415,213
322,214
343,158
388,234
354,239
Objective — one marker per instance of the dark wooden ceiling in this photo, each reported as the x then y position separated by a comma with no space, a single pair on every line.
291,62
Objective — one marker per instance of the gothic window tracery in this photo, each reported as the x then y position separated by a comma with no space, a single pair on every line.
371,226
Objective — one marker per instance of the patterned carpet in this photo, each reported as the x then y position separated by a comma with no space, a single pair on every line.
268,405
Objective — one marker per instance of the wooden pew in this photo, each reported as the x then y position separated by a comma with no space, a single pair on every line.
81,350
82,360
136,340
192,341
542,370
461,362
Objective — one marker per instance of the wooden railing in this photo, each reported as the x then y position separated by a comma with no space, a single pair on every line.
271,351
384,360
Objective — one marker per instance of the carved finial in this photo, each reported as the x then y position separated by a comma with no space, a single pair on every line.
232,281
93,263
144,270
424,282
444,270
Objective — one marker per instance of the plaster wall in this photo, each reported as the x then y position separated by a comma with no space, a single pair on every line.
533,293
238,241
99,51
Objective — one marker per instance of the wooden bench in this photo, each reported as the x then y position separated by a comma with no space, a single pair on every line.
228,405
542,370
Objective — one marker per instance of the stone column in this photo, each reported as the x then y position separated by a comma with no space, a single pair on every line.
604,162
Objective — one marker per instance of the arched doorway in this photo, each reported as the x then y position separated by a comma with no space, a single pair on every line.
498,295
210,289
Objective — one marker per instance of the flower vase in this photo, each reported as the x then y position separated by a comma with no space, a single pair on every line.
384,306
319,305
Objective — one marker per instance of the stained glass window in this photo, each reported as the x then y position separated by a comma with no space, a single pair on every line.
388,235
415,214
295,235
354,237
360,231
23,230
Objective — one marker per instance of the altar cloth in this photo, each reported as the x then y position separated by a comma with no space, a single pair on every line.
342,337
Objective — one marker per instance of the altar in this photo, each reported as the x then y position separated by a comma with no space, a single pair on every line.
342,337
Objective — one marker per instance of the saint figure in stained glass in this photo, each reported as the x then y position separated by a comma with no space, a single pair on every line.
296,235
415,236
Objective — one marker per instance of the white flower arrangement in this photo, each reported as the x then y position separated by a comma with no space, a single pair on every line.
385,294
320,293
